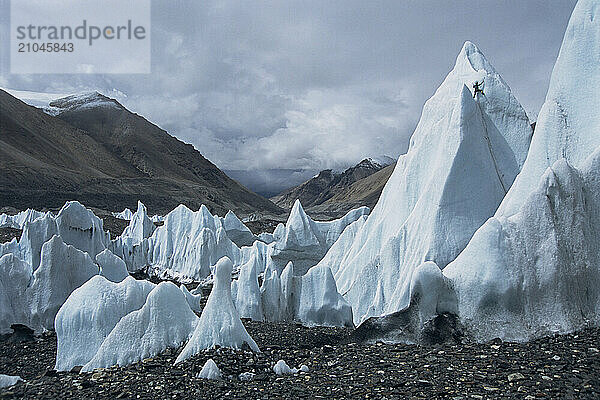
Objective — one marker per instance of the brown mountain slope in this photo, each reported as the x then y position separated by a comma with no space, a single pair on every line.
307,192
364,192
325,185
98,152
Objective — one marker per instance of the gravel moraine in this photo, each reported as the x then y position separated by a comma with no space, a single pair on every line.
7,234
553,367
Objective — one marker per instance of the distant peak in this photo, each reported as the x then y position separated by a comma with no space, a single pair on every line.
84,100
381,161
368,163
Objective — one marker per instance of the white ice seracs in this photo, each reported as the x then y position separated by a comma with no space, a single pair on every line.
273,303
157,218
534,267
33,298
132,246
304,241
210,371
569,121
247,297
188,244
15,276
76,225
140,226
281,368
34,235
63,268
126,214
342,245
463,156
537,271
266,237
79,227
18,220
111,266
54,256
219,324
165,321
9,380
311,299
105,323
11,247
237,231
192,299
316,301
90,314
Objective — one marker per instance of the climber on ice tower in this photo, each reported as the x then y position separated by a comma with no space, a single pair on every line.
478,88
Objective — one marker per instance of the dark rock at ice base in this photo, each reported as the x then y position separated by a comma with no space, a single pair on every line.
141,274
405,327
76,369
444,328
21,333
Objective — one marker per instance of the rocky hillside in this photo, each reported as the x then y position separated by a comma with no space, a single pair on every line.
333,194
363,192
94,150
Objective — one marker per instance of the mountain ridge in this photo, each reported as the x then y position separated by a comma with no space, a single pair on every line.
328,191
107,157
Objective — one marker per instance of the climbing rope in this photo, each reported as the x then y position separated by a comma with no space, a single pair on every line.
489,143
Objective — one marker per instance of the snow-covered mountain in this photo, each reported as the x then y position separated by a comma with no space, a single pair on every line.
37,99
82,101
383,160
462,159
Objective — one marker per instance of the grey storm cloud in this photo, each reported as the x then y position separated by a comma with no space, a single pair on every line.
314,84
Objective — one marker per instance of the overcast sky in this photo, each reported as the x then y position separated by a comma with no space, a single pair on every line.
314,84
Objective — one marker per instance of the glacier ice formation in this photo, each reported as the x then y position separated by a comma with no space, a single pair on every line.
462,158
534,267
219,324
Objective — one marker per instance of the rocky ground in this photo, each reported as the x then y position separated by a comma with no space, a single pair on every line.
553,367
7,234
264,224
115,226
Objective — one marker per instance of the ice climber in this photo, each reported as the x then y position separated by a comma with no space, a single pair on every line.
477,88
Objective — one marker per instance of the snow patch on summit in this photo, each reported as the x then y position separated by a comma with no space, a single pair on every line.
55,103
83,101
